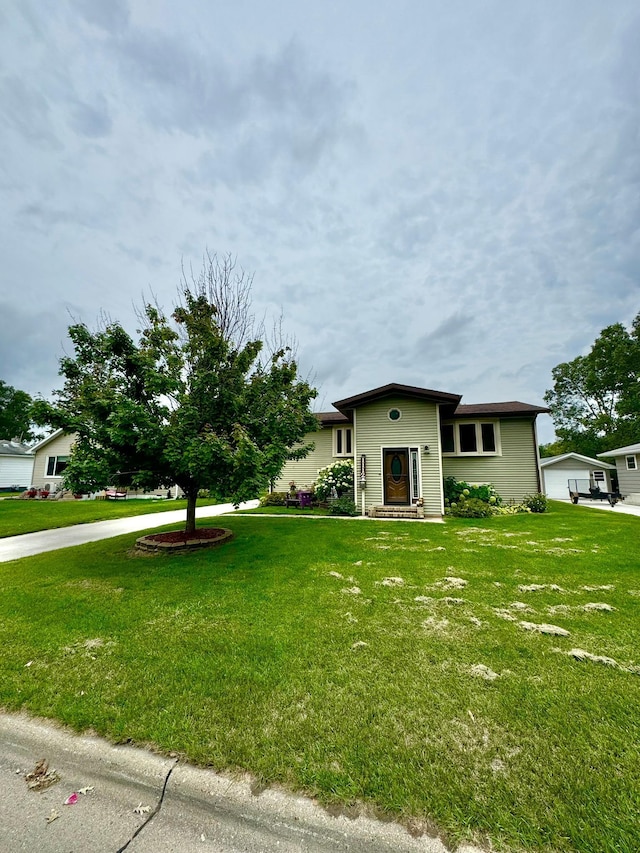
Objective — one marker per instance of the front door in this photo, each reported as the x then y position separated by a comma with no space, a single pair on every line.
396,477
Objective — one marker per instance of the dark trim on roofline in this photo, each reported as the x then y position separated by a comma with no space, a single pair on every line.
393,389
512,409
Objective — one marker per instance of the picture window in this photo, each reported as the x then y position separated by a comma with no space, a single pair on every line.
472,438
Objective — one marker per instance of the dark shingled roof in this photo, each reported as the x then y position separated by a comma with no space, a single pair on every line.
394,389
512,408
332,418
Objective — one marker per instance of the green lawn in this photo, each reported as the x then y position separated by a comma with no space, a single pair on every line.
296,653
29,516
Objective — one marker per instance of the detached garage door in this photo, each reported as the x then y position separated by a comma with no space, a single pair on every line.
555,481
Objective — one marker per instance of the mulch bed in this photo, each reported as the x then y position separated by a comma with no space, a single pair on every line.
178,540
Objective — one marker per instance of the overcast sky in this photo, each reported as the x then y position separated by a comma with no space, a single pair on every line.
443,194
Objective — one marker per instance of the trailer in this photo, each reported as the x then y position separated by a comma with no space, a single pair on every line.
591,491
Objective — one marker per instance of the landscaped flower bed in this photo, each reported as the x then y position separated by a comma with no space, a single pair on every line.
178,540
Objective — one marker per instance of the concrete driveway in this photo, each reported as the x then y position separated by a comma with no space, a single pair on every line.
621,508
28,544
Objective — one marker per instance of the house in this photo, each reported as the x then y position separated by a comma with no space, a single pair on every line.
51,455
404,440
627,461
557,471
16,465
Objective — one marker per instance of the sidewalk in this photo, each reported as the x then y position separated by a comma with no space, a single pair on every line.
28,544
145,803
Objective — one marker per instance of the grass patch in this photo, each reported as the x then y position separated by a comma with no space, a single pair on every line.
354,662
27,516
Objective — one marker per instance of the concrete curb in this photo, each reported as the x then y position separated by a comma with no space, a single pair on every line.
200,810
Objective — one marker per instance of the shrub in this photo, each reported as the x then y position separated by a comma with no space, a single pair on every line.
512,509
536,503
338,476
344,506
274,499
456,490
470,508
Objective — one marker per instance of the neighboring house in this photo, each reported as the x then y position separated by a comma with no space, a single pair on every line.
50,459
16,464
404,440
51,456
557,471
627,461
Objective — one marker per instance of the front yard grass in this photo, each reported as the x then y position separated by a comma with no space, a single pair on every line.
29,516
336,658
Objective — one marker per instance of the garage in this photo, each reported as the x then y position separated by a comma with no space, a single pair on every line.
558,470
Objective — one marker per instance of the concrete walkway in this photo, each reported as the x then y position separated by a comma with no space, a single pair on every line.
28,544
131,799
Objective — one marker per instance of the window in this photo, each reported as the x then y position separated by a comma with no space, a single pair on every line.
342,441
631,463
394,414
473,438
56,465
415,475
448,441
468,438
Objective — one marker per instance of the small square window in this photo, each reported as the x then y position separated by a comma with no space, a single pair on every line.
56,465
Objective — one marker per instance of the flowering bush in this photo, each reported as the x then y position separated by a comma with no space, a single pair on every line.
457,490
338,476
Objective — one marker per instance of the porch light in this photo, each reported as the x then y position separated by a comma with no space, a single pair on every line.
426,448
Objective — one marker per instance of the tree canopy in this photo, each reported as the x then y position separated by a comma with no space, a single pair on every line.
15,414
197,401
595,399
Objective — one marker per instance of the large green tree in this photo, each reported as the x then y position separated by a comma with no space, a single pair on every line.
199,400
15,414
595,399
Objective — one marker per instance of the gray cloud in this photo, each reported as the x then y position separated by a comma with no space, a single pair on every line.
446,197
92,120
112,17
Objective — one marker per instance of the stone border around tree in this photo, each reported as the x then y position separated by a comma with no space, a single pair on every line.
152,542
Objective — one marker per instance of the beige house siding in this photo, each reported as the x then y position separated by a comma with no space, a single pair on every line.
514,473
417,427
304,472
59,446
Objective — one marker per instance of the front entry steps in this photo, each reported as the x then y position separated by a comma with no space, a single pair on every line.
408,513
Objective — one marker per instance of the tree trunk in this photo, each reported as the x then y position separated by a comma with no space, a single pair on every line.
192,497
